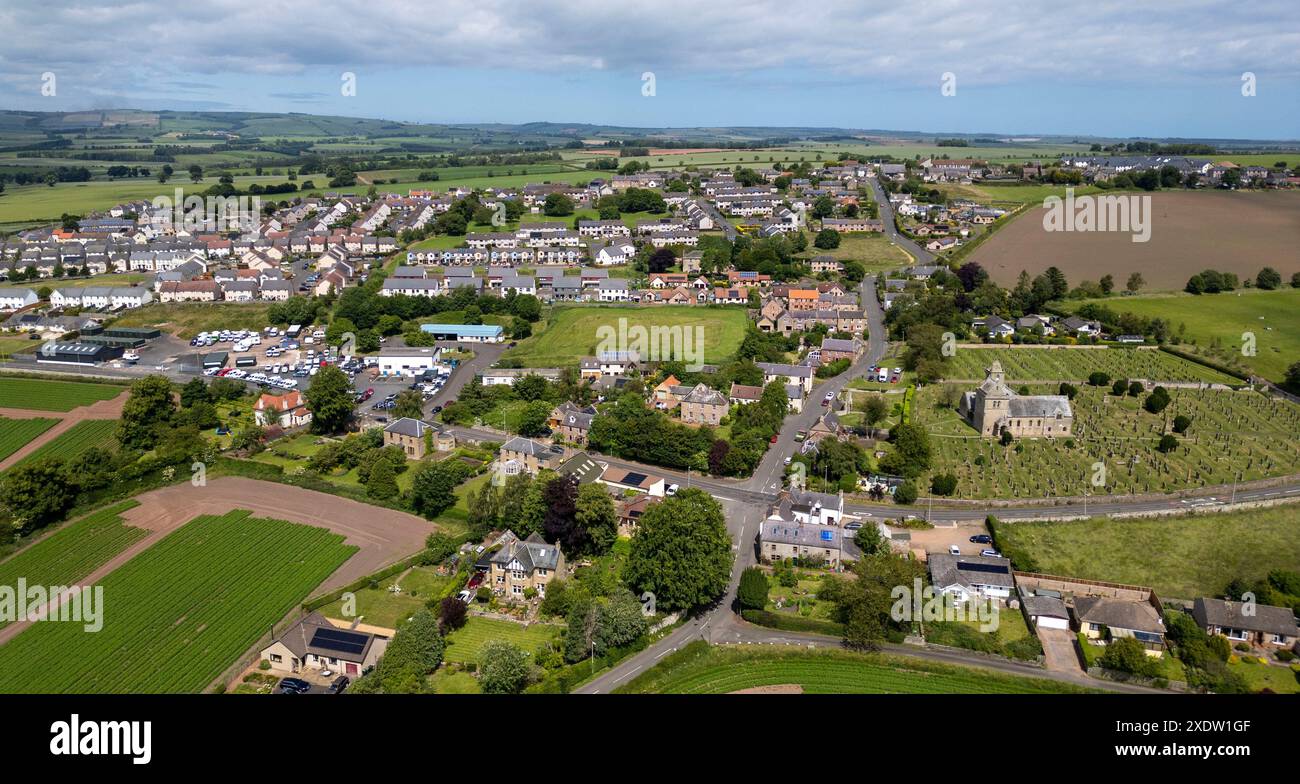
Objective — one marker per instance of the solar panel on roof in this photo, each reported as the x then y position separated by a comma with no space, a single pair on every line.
967,566
339,640
828,536
633,479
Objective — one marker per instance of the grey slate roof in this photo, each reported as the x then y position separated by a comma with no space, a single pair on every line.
1267,619
1119,614
532,553
969,571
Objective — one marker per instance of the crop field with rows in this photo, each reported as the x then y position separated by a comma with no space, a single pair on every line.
181,612
77,439
17,433
1076,364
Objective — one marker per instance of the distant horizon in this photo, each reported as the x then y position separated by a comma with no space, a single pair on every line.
1001,137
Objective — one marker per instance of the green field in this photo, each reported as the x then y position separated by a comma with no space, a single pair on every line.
190,318
1180,557
465,644
75,440
571,332
181,612
875,252
17,433
1075,364
1214,324
73,551
1234,436
382,607
40,394
700,668
31,203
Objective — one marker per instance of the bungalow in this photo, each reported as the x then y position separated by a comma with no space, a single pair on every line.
582,468
1260,625
315,643
996,328
287,410
966,577
1081,327
636,481
1099,617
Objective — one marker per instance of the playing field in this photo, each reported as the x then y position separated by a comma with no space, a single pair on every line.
73,551
179,613
16,433
77,439
1180,557
39,394
1190,231
700,668
1216,325
466,643
571,333
1075,364
1233,436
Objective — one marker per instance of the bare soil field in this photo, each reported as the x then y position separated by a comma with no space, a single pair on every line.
1190,232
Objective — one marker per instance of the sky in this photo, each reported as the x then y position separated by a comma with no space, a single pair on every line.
1010,67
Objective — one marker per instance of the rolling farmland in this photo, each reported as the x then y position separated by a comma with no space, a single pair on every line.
181,612
38,394
17,433
703,669
73,551
78,438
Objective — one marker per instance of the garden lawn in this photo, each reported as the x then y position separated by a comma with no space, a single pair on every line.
72,551
1180,557
75,440
703,669
38,394
465,644
180,613
17,433
1281,680
571,332
382,607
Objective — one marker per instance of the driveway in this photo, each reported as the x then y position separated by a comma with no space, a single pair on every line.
1058,651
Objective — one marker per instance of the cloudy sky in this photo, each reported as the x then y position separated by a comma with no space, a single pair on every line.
1158,68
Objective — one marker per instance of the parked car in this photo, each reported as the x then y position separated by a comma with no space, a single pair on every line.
340,683
670,490
826,401
981,539
465,596
990,552
954,550
852,526
294,686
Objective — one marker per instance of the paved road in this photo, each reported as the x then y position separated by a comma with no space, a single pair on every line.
921,255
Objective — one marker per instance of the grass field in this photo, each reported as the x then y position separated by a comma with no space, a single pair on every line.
1214,324
382,607
1233,436
72,551
38,394
1075,364
874,251
700,668
1180,557
16,433
190,318
181,612
571,332
465,644
32,203
77,439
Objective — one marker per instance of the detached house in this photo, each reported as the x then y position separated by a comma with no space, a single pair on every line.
1259,625
520,566
703,406
315,643
287,410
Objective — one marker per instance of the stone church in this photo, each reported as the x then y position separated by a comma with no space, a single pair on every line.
992,407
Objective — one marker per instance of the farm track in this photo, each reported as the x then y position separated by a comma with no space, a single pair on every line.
104,409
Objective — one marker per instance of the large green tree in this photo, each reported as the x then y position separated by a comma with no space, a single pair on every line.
596,515
503,668
681,551
147,409
330,399
433,488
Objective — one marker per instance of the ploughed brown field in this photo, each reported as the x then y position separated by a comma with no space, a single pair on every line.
1190,232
